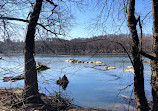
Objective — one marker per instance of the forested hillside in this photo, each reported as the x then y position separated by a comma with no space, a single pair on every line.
99,44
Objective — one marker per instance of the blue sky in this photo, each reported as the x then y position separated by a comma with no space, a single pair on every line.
85,22
85,18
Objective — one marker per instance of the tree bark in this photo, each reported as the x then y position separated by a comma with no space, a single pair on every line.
140,98
31,83
154,63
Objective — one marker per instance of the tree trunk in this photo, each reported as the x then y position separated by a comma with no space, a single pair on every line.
31,83
140,98
154,63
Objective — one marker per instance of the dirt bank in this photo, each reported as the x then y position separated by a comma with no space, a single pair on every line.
11,97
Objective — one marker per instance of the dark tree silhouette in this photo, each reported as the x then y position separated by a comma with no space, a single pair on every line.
51,22
31,83
154,63
140,98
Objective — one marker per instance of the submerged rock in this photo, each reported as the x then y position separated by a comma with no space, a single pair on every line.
129,70
98,62
79,61
74,61
109,67
71,60
129,67
90,61
106,66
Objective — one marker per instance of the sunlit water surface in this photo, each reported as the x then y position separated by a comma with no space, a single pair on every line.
87,87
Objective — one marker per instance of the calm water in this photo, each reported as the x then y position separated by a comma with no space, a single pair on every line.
87,87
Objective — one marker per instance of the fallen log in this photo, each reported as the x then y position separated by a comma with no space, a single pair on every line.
13,79
40,67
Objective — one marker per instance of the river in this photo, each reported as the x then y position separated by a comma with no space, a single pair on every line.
88,87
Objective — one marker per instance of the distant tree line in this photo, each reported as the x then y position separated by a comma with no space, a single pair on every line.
97,44
8,46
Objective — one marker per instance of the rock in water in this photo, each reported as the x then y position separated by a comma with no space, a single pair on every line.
109,67
129,70
42,67
129,67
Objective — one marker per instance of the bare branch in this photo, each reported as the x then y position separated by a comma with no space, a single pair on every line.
16,19
148,56
126,86
51,2
27,21
146,15
126,52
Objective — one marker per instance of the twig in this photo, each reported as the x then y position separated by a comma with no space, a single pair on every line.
130,98
126,87
146,15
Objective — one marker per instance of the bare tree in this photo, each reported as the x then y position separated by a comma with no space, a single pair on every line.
154,63
140,98
154,56
31,83
48,19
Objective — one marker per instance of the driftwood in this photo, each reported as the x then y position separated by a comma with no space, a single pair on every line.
126,98
63,82
129,69
13,79
40,67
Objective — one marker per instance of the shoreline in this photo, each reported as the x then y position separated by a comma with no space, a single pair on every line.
9,97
